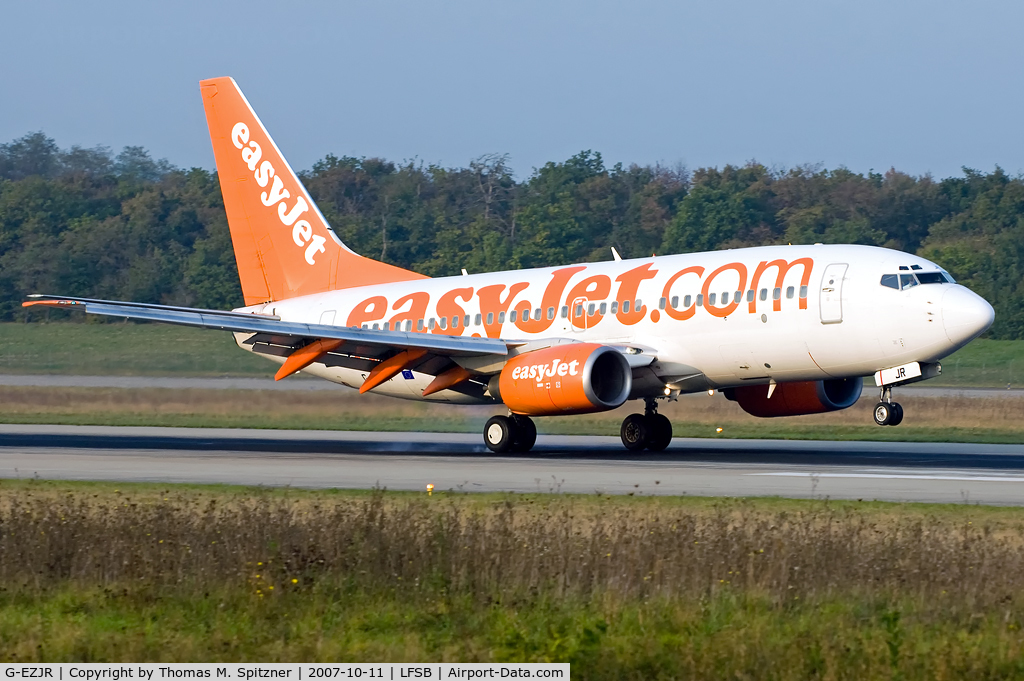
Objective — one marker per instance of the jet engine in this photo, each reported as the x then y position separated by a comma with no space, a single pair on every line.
575,378
797,398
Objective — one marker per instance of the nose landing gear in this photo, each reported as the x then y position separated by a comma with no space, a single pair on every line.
887,412
649,430
512,433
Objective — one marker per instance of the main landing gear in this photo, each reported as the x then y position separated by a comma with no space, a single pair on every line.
649,430
887,412
512,433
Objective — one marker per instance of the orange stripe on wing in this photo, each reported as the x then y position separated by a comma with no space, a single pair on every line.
304,356
446,380
390,367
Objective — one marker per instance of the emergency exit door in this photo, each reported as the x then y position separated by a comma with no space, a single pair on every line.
831,298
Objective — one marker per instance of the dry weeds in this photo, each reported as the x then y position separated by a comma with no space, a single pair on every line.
508,549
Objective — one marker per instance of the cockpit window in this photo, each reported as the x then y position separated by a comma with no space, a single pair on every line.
931,278
905,280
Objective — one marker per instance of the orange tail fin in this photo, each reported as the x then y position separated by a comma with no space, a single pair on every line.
283,245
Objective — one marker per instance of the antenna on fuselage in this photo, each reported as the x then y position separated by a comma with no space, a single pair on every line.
615,254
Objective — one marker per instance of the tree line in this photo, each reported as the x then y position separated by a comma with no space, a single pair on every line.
91,223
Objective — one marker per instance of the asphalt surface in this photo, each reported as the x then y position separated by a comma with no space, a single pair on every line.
934,472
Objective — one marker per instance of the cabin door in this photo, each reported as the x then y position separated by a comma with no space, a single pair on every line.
831,298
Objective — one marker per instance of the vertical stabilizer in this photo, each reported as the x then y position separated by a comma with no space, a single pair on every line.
283,245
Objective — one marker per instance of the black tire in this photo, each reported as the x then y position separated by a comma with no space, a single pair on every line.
896,418
499,434
659,433
526,433
882,413
634,432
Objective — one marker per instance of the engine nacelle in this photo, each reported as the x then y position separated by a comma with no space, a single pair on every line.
795,399
575,378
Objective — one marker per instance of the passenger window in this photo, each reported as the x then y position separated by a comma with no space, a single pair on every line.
907,281
501,317
526,315
565,311
551,313
790,292
777,294
625,306
686,301
455,322
662,303
764,294
737,297
444,322
750,296
700,300
419,324
675,302
376,326
465,321
431,324
387,326
590,310
476,319
604,308
490,318
536,314
711,298
637,305
803,291
890,281
512,316
579,310
615,307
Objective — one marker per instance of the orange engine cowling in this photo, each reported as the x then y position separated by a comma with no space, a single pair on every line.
575,378
794,399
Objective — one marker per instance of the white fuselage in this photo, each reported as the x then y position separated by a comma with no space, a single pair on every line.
826,316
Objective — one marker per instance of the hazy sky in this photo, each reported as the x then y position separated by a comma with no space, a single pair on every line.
925,86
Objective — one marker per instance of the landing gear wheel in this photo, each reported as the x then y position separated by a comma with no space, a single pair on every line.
499,434
634,432
526,433
883,413
659,433
896,417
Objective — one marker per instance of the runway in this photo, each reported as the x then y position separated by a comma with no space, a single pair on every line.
892,471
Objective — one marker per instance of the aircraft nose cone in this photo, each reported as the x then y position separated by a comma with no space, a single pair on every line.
965,314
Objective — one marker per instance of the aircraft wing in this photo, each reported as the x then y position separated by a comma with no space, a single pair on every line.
382,354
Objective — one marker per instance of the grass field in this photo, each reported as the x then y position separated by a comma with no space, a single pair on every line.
125,349
622,588
954,419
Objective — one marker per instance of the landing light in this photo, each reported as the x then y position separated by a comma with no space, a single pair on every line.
430,489
711,392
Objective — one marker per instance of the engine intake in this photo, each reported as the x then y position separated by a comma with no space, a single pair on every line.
576,378
798,398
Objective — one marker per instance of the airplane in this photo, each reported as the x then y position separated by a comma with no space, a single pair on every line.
780,330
